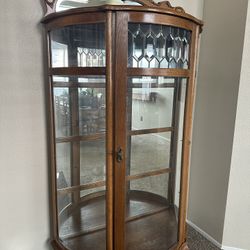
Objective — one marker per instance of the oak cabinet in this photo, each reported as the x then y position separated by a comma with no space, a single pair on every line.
120,103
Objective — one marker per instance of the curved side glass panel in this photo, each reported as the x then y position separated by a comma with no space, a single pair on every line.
80,45
158,46
80,129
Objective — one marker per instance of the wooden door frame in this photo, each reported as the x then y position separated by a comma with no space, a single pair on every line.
120,82
120,89
109,131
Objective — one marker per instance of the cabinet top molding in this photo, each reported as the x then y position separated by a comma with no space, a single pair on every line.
163,7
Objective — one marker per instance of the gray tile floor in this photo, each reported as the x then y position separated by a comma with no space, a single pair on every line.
197,242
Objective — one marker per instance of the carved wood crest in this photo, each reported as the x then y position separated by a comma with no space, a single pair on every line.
162,5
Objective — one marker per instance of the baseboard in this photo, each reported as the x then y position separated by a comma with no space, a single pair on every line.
231,248
211,239
207,236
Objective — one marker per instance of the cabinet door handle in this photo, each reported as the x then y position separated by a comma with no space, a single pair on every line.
119,155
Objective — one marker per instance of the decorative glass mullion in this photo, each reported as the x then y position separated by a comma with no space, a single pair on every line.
158,46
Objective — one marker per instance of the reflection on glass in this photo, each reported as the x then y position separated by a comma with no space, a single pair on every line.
63,162
62,112
59,54
182,99
153,165
91,57
80,45
151,185
63,172
149,152
79,114
151,99
158,46
92,110
92,161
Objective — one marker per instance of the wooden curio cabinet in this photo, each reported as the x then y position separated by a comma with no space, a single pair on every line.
121,90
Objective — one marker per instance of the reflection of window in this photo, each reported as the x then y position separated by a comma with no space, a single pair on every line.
59,54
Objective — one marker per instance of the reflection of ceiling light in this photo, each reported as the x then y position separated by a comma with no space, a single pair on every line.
81,1
69,4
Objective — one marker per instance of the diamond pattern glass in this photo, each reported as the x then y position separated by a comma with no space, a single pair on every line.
158,46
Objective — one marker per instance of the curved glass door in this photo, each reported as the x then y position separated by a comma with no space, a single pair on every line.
80,134
155,111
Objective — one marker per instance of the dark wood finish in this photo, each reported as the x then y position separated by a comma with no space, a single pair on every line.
81,187
146,211
78,138
78,71
153,236
121,126
52,149
137,17
87,18
141,206
158,72
109,131
149,174
150,131
95,229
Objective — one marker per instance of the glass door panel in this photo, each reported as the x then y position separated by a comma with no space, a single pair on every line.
153,164
80,115
149,152
152,102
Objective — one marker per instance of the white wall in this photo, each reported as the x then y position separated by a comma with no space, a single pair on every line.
193,7
237,219
215,110
23,159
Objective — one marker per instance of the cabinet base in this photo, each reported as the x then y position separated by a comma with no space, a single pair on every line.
151,224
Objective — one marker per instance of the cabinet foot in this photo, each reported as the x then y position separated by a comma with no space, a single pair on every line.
184,246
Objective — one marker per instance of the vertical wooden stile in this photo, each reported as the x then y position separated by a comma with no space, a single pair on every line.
121,38
52,145
109,130
188,121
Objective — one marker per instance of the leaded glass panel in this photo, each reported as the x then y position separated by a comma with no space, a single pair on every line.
158,46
